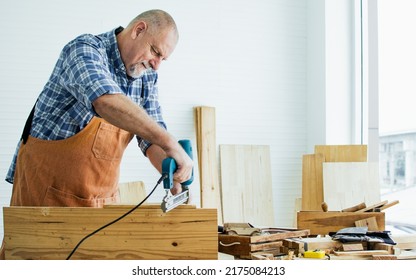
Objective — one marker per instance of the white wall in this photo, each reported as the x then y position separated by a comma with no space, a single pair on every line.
246,58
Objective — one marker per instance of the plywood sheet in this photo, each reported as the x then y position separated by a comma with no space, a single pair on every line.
350,183
147,233
246,184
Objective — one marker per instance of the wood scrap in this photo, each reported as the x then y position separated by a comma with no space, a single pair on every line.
361,253
387,205
370,223
355,208
352,247
371,208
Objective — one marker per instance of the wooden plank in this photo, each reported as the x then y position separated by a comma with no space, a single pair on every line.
350,183
387,205
361,253
207,159
265,246
312,184
372,207
246,184
355,208
325,222
147,233
342,153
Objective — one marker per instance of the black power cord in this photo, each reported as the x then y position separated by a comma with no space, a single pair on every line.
118,219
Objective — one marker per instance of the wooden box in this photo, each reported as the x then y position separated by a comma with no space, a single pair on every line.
322,223
245,246
186,232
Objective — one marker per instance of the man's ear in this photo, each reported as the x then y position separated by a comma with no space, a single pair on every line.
138,29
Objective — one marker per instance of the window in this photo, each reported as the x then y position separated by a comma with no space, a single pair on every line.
397,114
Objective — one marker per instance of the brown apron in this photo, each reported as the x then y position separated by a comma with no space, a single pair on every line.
82,170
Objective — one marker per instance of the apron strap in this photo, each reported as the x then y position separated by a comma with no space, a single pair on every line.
28,125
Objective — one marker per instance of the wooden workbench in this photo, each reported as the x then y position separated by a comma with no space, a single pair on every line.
185,232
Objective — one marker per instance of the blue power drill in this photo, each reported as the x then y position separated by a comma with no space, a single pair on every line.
169,167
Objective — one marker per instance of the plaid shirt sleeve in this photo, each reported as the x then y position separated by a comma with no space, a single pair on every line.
86,73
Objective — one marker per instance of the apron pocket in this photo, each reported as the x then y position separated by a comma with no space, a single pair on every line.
55,197
110,142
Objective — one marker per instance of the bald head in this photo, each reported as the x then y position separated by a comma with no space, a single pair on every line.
157,20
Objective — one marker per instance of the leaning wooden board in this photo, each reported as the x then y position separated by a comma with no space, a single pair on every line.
147,233
312,170
205,126
350,183
312,184
246,184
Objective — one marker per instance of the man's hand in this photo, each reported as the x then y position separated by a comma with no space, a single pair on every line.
183,162
177,188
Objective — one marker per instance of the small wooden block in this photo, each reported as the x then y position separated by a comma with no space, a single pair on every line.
370,223
352,247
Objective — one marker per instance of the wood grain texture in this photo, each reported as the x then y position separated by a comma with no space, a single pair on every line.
246,184
131,193
205,126
342,153
325,222
312,184
350,183
147,233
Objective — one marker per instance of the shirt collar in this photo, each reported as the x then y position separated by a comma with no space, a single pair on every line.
114,52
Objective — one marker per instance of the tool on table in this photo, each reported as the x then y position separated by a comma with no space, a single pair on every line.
169,167
315,254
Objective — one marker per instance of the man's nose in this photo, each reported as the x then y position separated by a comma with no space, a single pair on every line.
155,63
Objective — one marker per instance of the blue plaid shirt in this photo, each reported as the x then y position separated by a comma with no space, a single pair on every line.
88,67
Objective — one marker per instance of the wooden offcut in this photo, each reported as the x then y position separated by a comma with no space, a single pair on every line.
246,184
205,126
52,233
322,223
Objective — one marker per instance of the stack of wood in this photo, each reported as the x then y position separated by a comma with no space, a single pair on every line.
246,242
337,184
404,248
